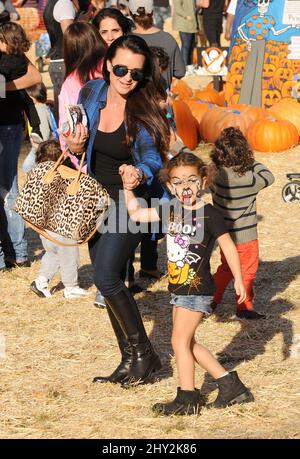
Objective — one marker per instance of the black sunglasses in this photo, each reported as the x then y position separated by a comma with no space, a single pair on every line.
122,70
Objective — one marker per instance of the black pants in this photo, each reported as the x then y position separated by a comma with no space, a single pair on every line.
109,253
212,24
149,257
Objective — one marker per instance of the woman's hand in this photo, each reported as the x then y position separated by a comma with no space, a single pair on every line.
76,142
130,176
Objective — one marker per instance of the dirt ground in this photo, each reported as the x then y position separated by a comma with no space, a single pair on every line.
50,349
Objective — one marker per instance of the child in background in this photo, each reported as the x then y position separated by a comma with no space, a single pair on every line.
13,65
38,94
192,228
57,257
238,181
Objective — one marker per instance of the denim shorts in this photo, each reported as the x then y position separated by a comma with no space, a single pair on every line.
198,303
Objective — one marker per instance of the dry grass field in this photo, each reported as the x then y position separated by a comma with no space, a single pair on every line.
54,347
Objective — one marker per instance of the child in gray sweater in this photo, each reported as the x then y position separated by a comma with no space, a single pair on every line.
238,180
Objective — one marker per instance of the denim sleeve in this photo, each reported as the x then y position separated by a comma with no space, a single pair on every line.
146,155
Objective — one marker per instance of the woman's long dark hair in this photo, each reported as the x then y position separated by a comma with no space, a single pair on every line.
113,13
142,105
83,49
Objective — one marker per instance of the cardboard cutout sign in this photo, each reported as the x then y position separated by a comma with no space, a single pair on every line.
265,52
212,61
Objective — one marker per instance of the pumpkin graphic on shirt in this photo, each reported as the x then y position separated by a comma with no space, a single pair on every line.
180,259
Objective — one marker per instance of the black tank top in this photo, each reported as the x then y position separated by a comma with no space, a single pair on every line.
109,153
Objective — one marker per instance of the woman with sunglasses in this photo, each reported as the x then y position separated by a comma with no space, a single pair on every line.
128,135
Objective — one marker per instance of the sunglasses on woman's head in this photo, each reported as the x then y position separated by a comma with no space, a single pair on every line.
122,70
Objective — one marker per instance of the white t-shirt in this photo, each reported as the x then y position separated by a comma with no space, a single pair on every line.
64,9
232,7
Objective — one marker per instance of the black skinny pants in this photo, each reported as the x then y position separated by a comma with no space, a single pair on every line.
110,252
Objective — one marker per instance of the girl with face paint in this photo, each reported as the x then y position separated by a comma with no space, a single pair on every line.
192,228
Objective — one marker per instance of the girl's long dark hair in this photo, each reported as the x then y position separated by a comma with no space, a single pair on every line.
113,13
83,49
142,105
232,150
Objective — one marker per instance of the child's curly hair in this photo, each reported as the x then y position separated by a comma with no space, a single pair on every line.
187,158
14,36
48,151
232,150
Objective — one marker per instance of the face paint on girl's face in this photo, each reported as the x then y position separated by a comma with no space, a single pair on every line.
185,184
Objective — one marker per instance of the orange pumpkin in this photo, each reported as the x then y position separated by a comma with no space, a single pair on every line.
281,55
222,94
199,107
242,57
268,70
236,49
236,80
272,59
215,120
270,97
207,95
255,113
287,88
296,65
234,99
287,110
237,68
270,135
186,124
281,75
229,90
181,90
285,62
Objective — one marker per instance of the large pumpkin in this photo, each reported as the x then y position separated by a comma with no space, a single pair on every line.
186,124
256,113
288,111
207,95
271,135
199,107
215,120
181,90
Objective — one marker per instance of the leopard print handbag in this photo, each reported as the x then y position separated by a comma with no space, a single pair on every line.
63,200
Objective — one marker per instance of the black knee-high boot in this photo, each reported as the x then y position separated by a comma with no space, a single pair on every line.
144,360
123,368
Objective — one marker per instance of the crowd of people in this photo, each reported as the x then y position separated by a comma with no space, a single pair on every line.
119,64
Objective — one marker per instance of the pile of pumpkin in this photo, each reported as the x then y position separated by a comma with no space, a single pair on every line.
201,115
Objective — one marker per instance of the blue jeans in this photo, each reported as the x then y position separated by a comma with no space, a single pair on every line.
29,161
13,245
187,46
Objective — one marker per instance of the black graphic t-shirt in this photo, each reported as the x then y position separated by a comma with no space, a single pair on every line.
190,240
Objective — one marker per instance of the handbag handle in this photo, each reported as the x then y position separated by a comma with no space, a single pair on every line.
46,235
73,188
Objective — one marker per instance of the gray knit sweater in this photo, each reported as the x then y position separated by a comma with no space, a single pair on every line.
235,197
